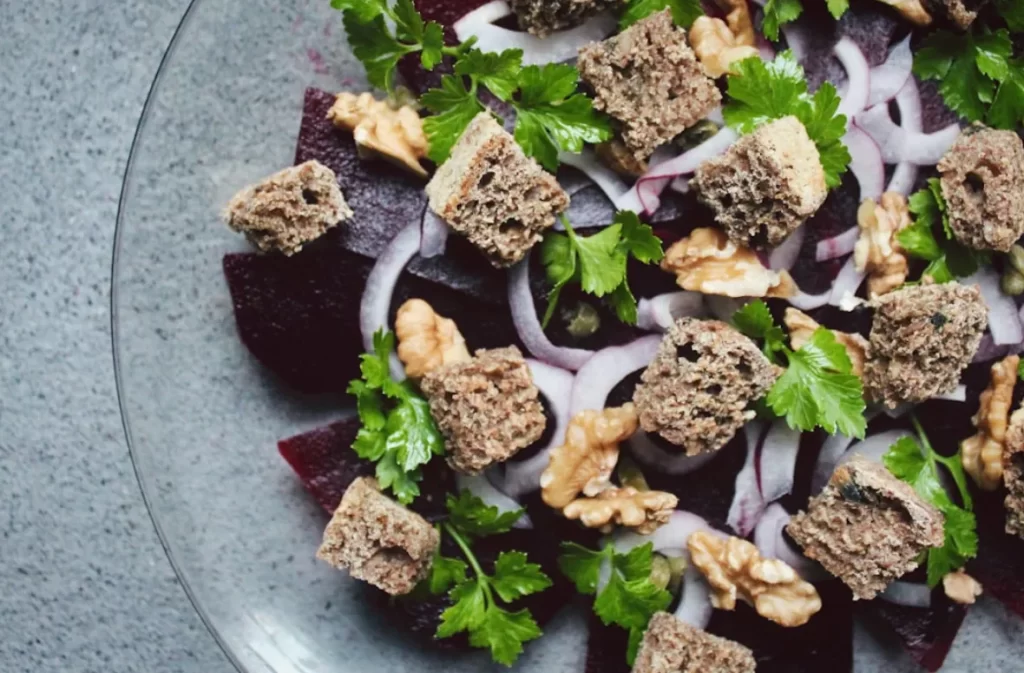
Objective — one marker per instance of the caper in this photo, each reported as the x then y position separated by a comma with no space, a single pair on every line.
697,134
582,320
677,564
630,475
1012,283
661,571
1016,257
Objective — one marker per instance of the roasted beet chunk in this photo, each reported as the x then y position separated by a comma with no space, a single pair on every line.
927,633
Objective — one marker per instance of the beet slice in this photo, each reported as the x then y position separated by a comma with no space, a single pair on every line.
999,565
836,215
606,648
927,633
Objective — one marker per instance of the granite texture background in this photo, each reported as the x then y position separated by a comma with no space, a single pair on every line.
84,583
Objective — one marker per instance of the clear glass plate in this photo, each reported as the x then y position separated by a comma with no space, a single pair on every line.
202,417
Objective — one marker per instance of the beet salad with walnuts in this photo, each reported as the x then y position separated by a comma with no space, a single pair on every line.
705,316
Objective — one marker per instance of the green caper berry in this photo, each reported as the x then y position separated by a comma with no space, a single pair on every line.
1012,283
697,134
678,566
1016,257
661,571
582,320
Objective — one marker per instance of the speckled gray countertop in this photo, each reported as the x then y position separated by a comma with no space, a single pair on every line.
84,583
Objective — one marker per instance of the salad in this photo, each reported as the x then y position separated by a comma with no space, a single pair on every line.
706,315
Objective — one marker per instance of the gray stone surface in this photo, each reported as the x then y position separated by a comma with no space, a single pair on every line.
84,583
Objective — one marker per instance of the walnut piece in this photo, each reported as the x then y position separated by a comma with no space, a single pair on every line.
982,454
426,340
706,261
718,44
584,463
734,569
801,326
395,134
878,252
912,10
961,587
644,511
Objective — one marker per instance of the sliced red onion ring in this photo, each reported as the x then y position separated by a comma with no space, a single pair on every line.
770,541
724,308
694,606
846,284
556,385
809,302
652,455
560,46
785,255
435,235
958,394
680,185
796,39
1003,320
765,49
375,305
747,502
776,461
672,536
988,351
644,195
875,446
837,246
831,451
901,145
887,79
661,312
865,163
858,74
608,180
909,102
603,372
524,315
907,594
480,486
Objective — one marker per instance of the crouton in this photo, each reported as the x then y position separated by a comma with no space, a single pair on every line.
766,185
672,646
922,338
982,179
1013,474
494,195
379,541
649,80
289,209
697,391
487,408
867,527
961,13
543,17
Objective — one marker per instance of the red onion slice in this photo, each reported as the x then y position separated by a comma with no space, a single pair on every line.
480,486
595,380
434,236
831,451
644,195
858,74
796,39
1003,320
958,394
846,284
747,502
671,537
888,78
809,302
785,255
652,455
724,308
776,461
694,606
556,384
560,46
770,541
837,246
909,102
605,178
524,315
865,163
907,594
375,305
901,145
661,312
988,351
875,446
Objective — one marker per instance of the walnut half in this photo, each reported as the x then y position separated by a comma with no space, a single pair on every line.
982,454
426,340
643,510
801,326
878,252
961,587
735,569
395,134
706,261
717,44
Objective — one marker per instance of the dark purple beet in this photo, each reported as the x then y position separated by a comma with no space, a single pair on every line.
935,114
999,565
606,648
927,634
871,26
838,214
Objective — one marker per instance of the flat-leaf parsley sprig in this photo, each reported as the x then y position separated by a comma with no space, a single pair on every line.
684,12
398,433
818,388
478,601
930,238
917,463
778,12
761,92
598,263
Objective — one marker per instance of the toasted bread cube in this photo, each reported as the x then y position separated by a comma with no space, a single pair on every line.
672,646
378,541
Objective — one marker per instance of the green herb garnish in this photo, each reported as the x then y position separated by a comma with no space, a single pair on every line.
684,12
778,12
930,238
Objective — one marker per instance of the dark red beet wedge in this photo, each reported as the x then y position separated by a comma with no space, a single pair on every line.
927,634
999,565
606,648
838,214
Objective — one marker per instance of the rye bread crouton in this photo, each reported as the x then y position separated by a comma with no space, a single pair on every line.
487,408
672,646
1013,474
289,209
493,194
379,541
766,185
697,391
649,80
867,527
543,17
982,178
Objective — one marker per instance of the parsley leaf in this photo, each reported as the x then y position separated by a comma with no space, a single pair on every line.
1007,110
778,12
684,12
515,578
1012,12
581,565
598,262
1020,370
456,106
498,71
818,388
444,573
916,462
837,7
761,92
475,518
930,238
398,432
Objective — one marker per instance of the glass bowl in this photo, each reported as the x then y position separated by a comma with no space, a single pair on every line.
201,415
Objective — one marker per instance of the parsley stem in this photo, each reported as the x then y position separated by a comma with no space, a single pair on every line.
568,227
950,463
922,437
471,557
